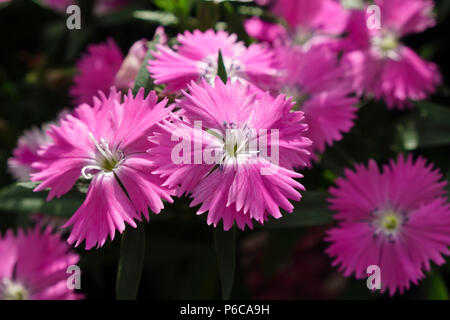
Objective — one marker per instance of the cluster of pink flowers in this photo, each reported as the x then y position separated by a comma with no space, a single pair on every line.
301,84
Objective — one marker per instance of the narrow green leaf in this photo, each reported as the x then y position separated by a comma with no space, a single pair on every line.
156,17
225,243
221,71
131,262
437,290
143,79
312,210
21,198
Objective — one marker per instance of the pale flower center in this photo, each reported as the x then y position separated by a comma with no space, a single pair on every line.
386,45
209,67
301,37
10,290
388,223
239,145
106,160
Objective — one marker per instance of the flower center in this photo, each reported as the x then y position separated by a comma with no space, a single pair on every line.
209,67
10,290
238,144
388,223
386,45
301,36
105,159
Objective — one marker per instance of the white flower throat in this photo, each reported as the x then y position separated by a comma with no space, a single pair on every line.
388,223
11,290
209,67
237,147
386,45
106,160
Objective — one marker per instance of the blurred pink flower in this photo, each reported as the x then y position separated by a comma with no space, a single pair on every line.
320,87
310,23
106,144
233,189
128,71
382,66
397,219
103,66
34,266
264,31
196,57
97,71
25,154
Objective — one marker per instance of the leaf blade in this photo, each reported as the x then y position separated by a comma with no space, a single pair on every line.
131,263
225,245
221,70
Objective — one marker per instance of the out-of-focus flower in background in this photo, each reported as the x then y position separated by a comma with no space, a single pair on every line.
321,87
34,266
382,66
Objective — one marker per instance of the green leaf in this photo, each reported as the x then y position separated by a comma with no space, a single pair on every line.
221,71
156,17
225,244
437,290
143,78
312,210
131,262
21,198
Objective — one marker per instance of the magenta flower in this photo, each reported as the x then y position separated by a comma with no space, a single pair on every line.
321,88
106,144
309,23
196,57
97,71
264,31
26,153
382,66
397,219
34,266
241,181
103,66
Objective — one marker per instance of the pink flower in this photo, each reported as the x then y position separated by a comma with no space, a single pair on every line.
397,219
311,22
97,71
34,266
26,153
196,57
382,66
264,31
321,88
241,181
103,66
106,144
129,69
